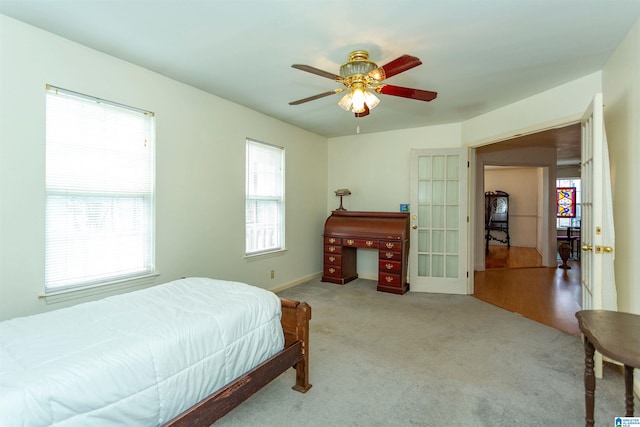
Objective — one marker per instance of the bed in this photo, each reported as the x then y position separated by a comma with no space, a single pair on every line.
182,353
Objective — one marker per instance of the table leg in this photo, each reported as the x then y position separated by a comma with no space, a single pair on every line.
589,382
628,390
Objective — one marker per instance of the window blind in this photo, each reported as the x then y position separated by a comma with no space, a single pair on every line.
99,191
264,198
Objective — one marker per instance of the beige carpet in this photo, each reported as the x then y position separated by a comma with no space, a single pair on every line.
429,360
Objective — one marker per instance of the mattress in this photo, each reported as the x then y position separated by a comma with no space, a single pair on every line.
134,359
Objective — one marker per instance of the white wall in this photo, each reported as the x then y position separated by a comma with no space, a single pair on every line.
621,84
200,170
522,186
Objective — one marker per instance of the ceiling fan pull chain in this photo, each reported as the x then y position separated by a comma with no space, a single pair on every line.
358,125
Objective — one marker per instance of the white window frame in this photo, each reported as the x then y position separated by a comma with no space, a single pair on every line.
100,194
265,185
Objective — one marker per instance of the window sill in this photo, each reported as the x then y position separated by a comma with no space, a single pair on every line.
264,255
92,290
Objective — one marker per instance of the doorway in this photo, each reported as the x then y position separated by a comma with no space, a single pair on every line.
517,243
556,292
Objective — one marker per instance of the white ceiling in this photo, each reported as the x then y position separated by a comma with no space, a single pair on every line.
478,55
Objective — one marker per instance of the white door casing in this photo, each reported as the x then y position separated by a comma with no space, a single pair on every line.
438,256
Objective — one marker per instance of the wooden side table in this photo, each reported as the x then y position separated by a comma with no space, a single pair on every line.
617,336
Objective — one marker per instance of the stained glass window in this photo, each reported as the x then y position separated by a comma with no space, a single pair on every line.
566,202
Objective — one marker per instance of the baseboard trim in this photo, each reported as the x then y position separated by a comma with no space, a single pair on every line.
296,282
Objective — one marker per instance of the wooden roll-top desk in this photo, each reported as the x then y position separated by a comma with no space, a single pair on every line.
386,232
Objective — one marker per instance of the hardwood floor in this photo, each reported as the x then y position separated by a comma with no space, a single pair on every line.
550,296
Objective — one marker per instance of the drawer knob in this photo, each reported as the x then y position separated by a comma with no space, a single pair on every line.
350,242
389,279
390,245
389,266
332,240
332,249
332,258
389,255
332,270
369,243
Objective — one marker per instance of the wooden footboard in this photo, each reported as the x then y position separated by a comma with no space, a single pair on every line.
295,325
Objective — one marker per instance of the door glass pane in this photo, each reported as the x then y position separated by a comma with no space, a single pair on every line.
438,192
452,266
438,167
453,171
423,265
452,242
452,192
452,216
438,216
438,266
424,167
424,216
423,241
424,193
438,241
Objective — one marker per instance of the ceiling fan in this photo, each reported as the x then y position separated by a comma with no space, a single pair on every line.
360,76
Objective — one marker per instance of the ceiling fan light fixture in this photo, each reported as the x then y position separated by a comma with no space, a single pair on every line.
346,101
358,100
371,100
358,64
355,100
363,78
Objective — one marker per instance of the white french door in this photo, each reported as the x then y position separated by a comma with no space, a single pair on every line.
439,228
597,229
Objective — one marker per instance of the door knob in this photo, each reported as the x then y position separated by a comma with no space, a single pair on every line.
414,226
607,249
586,247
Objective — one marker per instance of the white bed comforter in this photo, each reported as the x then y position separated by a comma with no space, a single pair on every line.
135,359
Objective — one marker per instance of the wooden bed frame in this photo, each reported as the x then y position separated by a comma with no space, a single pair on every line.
295,324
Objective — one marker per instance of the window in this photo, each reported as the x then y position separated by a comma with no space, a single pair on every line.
570,222
264,198
99,191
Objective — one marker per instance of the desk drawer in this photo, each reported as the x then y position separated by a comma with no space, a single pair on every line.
387,245
333,241
332,249
388,279
361,243
389,266
331,259
390,256
332,271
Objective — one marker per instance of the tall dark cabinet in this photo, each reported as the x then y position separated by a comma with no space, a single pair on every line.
496,217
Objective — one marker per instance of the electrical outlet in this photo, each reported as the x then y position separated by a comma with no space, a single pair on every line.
273,274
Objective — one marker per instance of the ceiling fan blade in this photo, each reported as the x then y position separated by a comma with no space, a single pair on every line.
318,96
406,92
397,66
364,113
317,71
